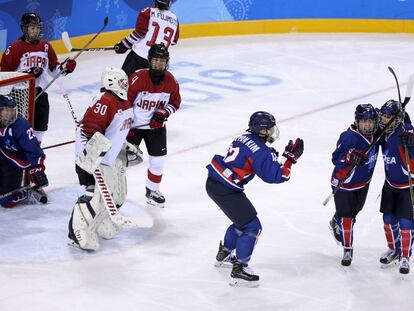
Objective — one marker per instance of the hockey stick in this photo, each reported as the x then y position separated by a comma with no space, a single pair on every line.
70,48
113,210
66,98
39,196
407,98
106,20
58,145
15,191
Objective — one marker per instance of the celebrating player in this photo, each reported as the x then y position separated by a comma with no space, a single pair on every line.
248,155
396,201
19,151
352,193
155,95
33,55
105,124
154,25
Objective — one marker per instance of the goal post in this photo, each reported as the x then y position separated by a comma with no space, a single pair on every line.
21,87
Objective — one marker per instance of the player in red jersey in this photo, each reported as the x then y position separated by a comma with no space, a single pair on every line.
107,121
34,55
155,95
154,25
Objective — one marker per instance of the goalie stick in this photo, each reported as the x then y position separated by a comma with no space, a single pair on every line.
68,44
106,20
407,98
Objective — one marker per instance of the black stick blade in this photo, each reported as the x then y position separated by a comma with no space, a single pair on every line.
106,21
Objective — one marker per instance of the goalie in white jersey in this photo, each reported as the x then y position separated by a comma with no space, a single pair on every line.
154,25
100,141
155,95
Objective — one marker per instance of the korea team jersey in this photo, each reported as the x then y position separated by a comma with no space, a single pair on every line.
19,146
146,97
21,56
112,117
362,174
247,156
154,26
395,164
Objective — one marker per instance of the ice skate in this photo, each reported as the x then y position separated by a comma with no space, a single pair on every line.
404,265
243,276
389,256
154,198
333,227
224,258
347,258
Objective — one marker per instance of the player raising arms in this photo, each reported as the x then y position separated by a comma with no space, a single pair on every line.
19,151
104,126
154,25
396,203
33,55
248,155
352,193
155,95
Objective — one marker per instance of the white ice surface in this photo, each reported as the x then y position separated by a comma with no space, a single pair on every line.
311,83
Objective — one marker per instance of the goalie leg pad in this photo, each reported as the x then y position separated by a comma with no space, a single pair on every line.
115,179
108,229
93,153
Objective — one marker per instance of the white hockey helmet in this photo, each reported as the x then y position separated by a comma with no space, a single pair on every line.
116,81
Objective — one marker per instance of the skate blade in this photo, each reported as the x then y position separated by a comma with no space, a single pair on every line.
333,235
243,283
154,204
225,265
391,264
75,245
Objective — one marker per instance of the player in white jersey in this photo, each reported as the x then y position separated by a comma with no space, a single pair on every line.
154,25
36,56
107,121
155,95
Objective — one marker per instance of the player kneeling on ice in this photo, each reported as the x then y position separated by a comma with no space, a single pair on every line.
248,155
352,193
397,147
19,151
102,154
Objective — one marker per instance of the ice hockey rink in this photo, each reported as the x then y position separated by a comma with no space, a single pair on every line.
312,84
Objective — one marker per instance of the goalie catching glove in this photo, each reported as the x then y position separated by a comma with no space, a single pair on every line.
38,177
293,151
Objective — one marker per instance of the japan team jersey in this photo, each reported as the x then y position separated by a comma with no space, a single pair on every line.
146,97
154,26
247,156
19,146
362,174
395,164
112,117
21,56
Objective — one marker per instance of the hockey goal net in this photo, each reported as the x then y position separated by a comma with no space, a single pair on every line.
21,87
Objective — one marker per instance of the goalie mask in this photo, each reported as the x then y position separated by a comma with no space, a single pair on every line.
366,119
263,124
31,26
162,4
158,57
390,109
116,81
8,111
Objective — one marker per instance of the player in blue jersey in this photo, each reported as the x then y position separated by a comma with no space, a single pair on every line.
396,203
352,193
19,151
247,156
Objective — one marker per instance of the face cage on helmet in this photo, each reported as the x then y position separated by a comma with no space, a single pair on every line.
384,119
6,122
270,134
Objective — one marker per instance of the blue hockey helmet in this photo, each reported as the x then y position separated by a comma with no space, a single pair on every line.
390,109
366,119
8,111
263,124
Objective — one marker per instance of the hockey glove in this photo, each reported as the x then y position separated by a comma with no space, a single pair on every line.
36,71
293,151
158,118
407,139
357,157
38,177
68,66
120,48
